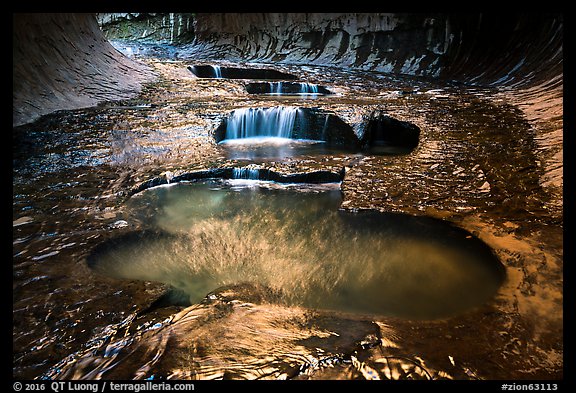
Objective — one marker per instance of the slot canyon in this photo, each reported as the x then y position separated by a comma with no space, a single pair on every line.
302,196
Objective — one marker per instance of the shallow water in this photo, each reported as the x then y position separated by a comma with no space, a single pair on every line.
262,149
208,235
475,166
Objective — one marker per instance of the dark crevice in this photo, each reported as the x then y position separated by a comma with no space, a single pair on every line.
383,132
209,71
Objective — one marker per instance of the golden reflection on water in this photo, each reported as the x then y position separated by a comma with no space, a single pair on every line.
303,249
229,337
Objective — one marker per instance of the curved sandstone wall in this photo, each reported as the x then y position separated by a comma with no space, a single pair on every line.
63,61
520,55
473,48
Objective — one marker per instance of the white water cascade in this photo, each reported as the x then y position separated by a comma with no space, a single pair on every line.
291,88
246,173
275,122
275,87
217,71
308,88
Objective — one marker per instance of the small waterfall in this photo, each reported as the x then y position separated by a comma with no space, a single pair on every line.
308,88
246,173
275,87
292,88
217,71
261,122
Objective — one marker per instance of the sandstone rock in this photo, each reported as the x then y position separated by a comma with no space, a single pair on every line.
72,66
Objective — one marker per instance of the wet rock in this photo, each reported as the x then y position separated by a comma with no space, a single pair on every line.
22,221
308,123
236,334
208,71
285,88
485,187
416,44
249,173
383,130
59,306
119,224
89,69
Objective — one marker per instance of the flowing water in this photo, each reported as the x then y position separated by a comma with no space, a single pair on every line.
217,71
269,270
267,134
308,88
208,235
277,122
281,88
262,149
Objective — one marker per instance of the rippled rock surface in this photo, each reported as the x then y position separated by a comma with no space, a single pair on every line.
294,241
488,162
71,193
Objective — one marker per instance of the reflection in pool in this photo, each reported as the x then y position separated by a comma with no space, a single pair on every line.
294,240
274,148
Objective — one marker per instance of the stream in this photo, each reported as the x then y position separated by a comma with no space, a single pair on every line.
439,261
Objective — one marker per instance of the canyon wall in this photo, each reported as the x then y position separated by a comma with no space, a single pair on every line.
63,61
487,49
520,55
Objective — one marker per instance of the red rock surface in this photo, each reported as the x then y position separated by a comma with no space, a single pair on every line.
63,61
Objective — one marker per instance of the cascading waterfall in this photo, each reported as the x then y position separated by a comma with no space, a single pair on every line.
217,71
246,173
261,122
292,88
275,87
325,127
308,88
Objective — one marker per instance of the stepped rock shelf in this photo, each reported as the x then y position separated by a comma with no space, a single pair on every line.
288,196
219,72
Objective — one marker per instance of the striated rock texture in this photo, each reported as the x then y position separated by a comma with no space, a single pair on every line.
474,48
62,61
167,28
476,165
520,55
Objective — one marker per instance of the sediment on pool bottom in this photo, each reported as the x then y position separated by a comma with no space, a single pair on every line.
206,235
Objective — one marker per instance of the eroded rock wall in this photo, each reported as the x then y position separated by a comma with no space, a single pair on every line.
166,28
63,61
519,54
473,48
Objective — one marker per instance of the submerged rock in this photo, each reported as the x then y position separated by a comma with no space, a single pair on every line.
236,334
69,321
